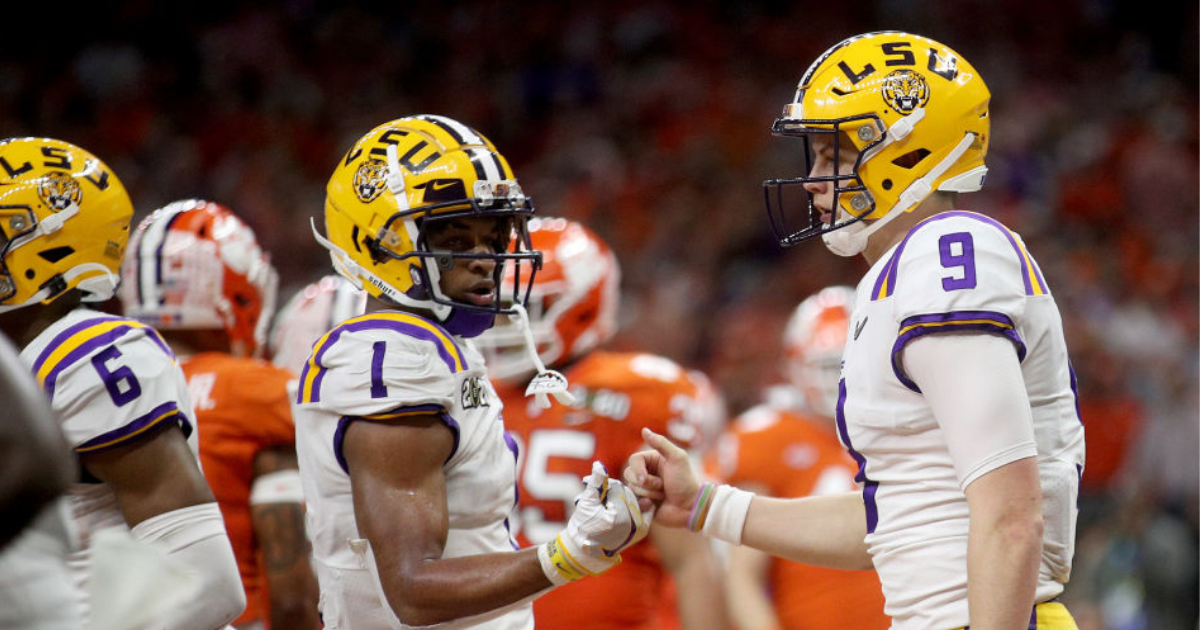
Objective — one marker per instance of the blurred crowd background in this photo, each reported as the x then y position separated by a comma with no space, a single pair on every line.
649,121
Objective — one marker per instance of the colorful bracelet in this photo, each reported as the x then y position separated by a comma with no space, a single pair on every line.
700,508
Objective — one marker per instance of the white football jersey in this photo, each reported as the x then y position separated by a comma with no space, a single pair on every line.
383,366
955,272
109,380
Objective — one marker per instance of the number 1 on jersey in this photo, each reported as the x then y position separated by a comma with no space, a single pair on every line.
378,389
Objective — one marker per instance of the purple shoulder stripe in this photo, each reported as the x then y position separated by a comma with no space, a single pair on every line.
339,434
155,417
885,284
957,321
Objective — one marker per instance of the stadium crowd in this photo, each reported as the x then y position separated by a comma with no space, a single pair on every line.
648,121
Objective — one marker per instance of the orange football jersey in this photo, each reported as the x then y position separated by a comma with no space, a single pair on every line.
616,395
242,406
790,455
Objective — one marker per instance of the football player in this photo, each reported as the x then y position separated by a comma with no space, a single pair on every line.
112,381
408,471
787,447
311,312
195,272
573,307
956,398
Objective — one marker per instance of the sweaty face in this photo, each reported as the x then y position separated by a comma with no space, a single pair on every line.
469,280
824,160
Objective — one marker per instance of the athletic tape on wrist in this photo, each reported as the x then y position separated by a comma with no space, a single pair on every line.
720,512
559,565
281,486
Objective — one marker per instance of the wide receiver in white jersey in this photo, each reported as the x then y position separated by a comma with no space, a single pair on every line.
407,469
114,384
956,398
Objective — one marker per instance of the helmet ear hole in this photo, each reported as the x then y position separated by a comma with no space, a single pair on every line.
56,254
29,274
911,159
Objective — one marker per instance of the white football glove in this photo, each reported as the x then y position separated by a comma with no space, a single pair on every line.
606,521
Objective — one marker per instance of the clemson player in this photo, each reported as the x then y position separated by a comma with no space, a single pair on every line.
572,309
787,447
195,271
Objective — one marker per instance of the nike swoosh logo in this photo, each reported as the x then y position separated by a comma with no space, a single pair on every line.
441,185
859,328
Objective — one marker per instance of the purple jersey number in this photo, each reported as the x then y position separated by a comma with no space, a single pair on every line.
121,394
965,259
378,389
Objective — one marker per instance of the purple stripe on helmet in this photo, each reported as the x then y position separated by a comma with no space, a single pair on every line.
894,263
61,337
139,424
412,330
158,256
339,434
955,321
870,487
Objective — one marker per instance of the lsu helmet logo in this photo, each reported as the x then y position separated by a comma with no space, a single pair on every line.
904,91
370,179
59,190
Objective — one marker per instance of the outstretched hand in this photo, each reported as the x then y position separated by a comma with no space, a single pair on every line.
662,477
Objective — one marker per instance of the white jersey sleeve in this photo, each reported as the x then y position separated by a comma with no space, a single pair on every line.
382,364
109,379
962,274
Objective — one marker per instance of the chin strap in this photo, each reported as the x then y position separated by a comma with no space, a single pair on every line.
95,289
849,242
547,382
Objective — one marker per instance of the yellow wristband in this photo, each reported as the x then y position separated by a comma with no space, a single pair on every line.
560,566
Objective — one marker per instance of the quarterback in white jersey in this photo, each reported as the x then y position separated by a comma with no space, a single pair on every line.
407,468
112,382
955,273
956,396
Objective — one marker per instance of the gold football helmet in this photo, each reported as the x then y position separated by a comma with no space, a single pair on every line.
64,223
916,112
397,180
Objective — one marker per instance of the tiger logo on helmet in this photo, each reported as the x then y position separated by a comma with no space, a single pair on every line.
64,223
572,303
194,265
915,111
813,341
395,182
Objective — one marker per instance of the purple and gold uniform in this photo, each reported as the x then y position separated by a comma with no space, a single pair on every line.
378,368
109,379
954,273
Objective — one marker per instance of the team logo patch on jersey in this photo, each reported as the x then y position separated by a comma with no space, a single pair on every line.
474,393
370,179
59,190
905,91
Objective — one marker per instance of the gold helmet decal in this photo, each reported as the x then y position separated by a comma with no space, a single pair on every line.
905,90
58,190
370,179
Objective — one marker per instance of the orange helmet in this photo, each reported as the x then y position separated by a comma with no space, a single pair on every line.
572,302
193,264
813,342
